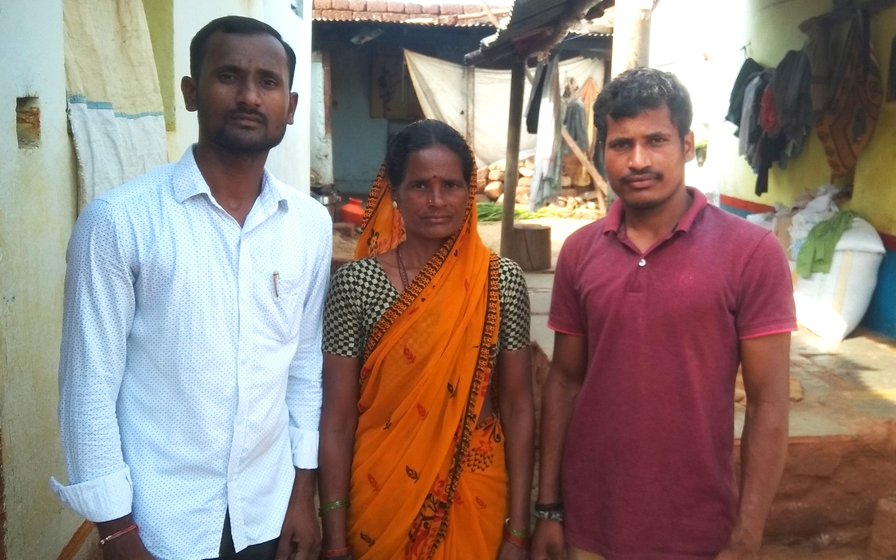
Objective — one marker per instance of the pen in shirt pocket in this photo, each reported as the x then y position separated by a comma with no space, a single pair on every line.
276,277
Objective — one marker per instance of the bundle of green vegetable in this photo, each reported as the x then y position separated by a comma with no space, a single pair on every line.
492,212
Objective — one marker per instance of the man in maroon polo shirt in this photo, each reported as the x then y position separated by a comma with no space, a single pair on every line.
654,309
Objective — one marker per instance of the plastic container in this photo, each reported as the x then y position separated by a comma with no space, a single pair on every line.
352,212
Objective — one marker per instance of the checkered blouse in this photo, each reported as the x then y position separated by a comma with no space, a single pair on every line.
360,293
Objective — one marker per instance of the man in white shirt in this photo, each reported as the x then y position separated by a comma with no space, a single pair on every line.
190,370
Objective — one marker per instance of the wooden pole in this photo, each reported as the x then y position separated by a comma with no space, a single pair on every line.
589,167
511,169
470,85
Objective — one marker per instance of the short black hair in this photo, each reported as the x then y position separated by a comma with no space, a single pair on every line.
238,25
419,136
637,90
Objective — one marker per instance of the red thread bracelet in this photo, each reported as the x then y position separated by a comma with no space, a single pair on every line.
116,534
515,537
515,541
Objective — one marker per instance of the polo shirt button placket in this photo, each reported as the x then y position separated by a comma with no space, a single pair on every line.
642,262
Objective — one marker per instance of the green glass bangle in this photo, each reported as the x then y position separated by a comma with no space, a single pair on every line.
514,532
326,508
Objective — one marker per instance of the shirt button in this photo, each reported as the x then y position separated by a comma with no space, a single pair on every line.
642,262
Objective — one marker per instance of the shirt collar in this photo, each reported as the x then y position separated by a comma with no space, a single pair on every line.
189,182
699,202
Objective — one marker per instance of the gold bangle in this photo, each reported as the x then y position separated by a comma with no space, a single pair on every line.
332,506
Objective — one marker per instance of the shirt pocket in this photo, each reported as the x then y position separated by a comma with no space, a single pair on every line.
284,310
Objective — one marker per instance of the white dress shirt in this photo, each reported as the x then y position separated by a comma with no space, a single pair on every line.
190,369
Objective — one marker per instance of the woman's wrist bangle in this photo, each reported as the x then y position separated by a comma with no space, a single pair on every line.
130,528
549,512
515,532
336,552
331,506
515,537
515,541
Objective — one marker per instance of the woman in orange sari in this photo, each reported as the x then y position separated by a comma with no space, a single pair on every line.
427,424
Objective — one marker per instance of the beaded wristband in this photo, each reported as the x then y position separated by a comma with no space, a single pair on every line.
336,552
326,508
549,512
116,534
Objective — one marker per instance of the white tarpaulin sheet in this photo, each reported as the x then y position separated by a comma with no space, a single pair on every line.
441,89
114,100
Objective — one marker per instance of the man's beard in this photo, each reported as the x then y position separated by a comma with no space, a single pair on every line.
245,142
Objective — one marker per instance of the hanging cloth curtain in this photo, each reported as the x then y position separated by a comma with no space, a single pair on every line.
114,100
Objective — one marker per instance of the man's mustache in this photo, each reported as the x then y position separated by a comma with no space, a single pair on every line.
254,115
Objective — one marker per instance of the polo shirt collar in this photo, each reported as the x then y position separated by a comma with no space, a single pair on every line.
616,213
690,216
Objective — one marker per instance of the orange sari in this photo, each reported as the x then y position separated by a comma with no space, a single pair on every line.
428,478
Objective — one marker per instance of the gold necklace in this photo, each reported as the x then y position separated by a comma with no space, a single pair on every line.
402,272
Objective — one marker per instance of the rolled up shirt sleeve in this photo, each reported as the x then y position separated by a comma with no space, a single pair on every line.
97,315
101,499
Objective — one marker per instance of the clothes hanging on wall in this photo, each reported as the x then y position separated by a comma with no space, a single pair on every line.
736,102
847,88
791,86
759,141
750,132
772,111
534,106
588,94
833,85
117,125
546,176
576,124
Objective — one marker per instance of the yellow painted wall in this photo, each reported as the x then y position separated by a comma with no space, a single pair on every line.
874,194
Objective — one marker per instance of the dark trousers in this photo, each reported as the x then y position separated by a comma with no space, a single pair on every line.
261,551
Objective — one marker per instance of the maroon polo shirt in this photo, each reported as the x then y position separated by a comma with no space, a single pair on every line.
647,467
